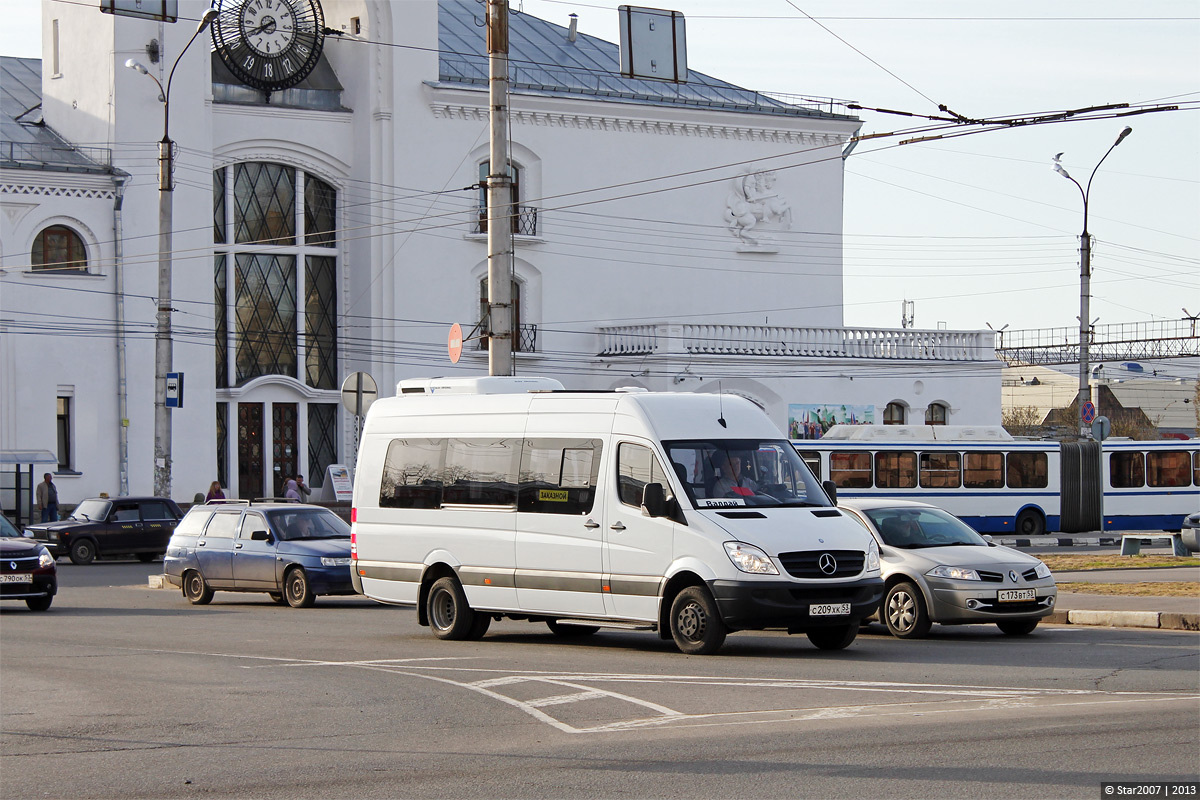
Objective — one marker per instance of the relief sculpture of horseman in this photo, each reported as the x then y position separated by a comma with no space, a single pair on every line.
754,200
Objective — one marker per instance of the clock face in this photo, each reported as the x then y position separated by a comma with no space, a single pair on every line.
269,45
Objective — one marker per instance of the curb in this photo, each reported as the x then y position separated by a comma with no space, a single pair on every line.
1126,619
1066,541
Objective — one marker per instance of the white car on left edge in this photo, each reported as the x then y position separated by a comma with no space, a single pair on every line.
936,568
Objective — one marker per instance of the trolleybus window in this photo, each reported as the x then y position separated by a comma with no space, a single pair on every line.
983,470
896,470
1127,470
850,470
940,471
1027,471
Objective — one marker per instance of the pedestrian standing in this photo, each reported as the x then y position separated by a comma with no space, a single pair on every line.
214,492
46,498
301,488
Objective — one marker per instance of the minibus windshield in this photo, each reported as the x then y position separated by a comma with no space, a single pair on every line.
723,473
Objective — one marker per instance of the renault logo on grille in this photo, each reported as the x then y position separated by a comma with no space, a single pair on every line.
12,564
1012,575
827,563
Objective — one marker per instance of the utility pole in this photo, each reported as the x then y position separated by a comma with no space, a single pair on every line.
499,197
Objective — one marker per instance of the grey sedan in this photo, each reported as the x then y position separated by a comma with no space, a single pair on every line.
936,568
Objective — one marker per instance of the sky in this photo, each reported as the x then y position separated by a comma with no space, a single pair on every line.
976,230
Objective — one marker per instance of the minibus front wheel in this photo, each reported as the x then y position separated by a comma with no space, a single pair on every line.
696,624
449,615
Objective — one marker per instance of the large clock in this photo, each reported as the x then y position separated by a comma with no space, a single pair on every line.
269,45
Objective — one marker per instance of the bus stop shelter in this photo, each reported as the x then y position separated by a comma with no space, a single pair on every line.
22,464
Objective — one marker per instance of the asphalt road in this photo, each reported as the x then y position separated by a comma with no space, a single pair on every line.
125,691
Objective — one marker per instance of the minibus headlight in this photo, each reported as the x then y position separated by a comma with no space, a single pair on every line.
749,558
953,573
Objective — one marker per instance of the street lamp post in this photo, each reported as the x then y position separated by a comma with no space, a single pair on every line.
162,332
1085,281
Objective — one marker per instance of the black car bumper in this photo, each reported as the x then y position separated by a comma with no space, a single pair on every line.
756,605
39,585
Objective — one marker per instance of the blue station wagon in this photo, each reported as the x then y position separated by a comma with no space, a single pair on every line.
291,551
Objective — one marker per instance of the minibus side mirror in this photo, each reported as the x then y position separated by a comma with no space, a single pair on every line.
654,500
830,489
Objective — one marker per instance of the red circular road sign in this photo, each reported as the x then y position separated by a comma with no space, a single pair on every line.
1089,412
454,345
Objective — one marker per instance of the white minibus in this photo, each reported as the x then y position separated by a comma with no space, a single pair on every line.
686,514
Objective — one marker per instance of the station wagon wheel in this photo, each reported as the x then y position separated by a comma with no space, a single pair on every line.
1017,627
83,551
837,637
196,589
696,625
296,589
449,615
561,629
904,612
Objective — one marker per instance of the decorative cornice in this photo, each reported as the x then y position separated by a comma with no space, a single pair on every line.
57,191
598,122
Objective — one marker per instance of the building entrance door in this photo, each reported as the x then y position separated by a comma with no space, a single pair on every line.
250,451
284,455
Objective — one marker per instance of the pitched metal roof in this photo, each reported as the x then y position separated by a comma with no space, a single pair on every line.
543,61
26,141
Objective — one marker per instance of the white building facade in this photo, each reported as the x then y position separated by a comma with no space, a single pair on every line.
683,238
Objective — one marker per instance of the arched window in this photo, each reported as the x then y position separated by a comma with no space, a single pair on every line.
525,336
58,248
524,220
936,414
894,414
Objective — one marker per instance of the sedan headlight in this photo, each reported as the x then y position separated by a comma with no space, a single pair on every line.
749,558
45,559
873,557
1041,570
953,573
335,562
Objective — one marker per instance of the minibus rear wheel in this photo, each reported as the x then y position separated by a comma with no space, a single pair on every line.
696,625
449,615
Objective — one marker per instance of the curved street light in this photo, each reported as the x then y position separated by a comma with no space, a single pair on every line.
162,333
1085,279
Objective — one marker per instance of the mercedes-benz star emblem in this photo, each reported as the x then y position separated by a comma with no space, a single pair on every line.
1012,575
827,563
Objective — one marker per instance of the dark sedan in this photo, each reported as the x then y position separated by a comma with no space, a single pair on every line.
106,526
27,571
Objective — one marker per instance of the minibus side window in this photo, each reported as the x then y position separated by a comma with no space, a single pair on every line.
481,472
896,470
637,466
850,469
940,471
983,470
558,476
412,474
1127,470
1027,471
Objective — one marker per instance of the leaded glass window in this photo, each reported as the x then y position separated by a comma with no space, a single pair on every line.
219,207
222,444
221,322
264,198
320,322
320,213
322,440
265,309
